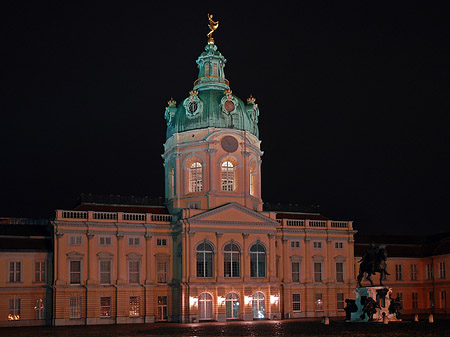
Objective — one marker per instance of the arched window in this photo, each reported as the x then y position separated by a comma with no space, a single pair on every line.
257,260
258,305
231,258
232,306
196,177
228,176
204,260
205,306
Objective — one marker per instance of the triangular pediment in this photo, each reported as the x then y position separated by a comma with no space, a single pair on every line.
233,213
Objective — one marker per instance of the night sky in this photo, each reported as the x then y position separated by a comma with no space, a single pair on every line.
353,98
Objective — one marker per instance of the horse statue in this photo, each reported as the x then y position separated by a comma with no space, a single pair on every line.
373,261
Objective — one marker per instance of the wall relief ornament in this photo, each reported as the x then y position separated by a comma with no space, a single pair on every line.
229,103
193,105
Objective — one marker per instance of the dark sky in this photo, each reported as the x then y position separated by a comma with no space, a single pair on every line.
354,102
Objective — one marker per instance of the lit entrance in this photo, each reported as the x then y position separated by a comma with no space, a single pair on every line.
232,306
258,305
205,306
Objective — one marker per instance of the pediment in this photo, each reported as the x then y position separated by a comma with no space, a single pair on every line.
233,214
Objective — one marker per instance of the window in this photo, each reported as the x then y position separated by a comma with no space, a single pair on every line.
15,271
295,244
205,306
295,267
215,72
134,241
75,271
232,306
39,308
196,177
414,272
104,240
338,245
443,299
398,272
430,299
134,306
161,242
14,309
39,271
258,305
296,303
75,307
105,306
415,300
317,272
442,270
75,240
253,178
134,271
162,271
162,308
204,260
194,205
340,301
231,260
257,260
429,271
105,271
339,272
206,69
317,244
228,176
319,301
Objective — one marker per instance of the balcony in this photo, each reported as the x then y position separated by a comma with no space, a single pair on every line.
112,216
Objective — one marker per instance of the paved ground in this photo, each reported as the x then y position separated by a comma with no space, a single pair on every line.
258,328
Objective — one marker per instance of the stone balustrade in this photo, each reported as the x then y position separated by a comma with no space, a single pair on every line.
112,216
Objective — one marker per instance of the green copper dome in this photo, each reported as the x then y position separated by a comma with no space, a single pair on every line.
212,103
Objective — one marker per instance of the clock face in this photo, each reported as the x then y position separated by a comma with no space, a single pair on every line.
229,144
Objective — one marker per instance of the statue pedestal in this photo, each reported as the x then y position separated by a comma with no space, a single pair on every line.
380,295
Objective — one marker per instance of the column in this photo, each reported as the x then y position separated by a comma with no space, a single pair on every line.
219,259
91,259
329,262
308,261
286,262
192,257
245,262
121,260
272,257
60,259
148,264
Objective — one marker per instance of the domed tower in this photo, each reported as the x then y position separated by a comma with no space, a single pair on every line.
212,151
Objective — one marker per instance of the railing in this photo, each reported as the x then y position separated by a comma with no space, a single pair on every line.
331,224
296,223
211,79
104,216
339,224
74,214
113,216
317,223
134,217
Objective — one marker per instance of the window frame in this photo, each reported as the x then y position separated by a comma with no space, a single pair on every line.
205,267
231,261
195,172
257,260
38,271
16,274
297,302
75,307
105,308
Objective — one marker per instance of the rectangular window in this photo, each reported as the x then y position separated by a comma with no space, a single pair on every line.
134,271
442,270
193,205
429,271
339,272
443,299
39,271
105,271
15,271
215,72
338,245
134,241
295,271
431,299
296,303
162,308
319,302
105,306
39,308
105,240
398,272
14,309
317,272
414,272
317,244
134,306
415,300
75,239
75,271
295,244
162,271
340,301
75,307
161,242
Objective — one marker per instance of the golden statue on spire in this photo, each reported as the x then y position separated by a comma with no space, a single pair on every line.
213,25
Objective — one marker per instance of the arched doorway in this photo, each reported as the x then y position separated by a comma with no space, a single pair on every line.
258,304
205,310
232,306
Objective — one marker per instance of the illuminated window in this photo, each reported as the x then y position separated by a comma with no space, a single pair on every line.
253,178
204,260
205,306
134,306
258,305
319,301
196,177
39,308
231,260
228,170
257,260
162,308
232,306
75,307
105,306
14,309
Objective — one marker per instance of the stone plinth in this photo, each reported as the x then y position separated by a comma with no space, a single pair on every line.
380,295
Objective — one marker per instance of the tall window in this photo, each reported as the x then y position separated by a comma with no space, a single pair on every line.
105,306
205,308
296,303
206,69
414,272
162,308
231,260
429,271
339,272
295,266
443,299
75,307
15,270
75,271
39,308
215,72
340,301
162,271
14,309
319,301
257,260
442,270
258,305
134,306
317,272
39,271
253,178
134,271
196,177
398,272
415,300
232,306
228,176
204,260
105,271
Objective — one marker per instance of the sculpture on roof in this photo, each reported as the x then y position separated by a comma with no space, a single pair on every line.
213,25
373,261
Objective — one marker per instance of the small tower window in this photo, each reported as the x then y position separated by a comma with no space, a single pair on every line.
215,72
228,176
206,69
196,177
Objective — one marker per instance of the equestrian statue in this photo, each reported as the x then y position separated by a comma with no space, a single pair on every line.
373,261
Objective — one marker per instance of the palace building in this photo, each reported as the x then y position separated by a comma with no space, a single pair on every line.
210,251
